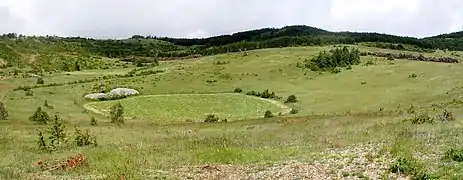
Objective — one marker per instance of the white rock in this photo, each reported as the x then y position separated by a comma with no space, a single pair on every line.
95,96
123,92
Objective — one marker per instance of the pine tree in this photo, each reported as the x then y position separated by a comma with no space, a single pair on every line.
56,131
40,116
3,111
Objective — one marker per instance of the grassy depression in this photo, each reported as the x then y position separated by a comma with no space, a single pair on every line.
184,107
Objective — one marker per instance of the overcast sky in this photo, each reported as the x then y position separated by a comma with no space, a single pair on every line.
200,18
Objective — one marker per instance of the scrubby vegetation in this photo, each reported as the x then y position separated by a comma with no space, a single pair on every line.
264,94
211,118
40,116
268,114
413,57
291,99
117,113
454,154
84,139
421,118
333,60
93,121
238,90
3,111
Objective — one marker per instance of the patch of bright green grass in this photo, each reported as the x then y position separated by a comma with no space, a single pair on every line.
183,107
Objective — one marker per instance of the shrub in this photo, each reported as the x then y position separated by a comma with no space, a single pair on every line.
291,99
93,121
408,166
56,131
446,116
454,154
117,113
265,94
40,116
40,80
84,139
422,118
211,118
369,63
224,120
29,93
3,111
412,75
252,93
238,90
41,142
293,111
45,104
268,114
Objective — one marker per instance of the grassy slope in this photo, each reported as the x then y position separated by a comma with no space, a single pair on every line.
138,148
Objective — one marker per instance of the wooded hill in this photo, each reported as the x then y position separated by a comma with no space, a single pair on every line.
18,50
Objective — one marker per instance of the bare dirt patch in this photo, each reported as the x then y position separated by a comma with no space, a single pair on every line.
361,162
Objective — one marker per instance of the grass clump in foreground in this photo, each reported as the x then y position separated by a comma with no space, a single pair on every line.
455,154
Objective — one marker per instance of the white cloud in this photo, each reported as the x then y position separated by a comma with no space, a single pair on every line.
199,18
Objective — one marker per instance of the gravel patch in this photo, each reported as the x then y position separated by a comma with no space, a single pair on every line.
359,162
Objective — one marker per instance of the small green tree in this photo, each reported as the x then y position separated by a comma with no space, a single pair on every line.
56,131
3,111
40,116
93,121
40,80
291,99
268,114
41,142
117,113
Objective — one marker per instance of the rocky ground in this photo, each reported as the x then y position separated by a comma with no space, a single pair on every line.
361,162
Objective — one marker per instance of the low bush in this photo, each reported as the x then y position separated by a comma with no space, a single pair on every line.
3,111
268,114
29,93
211,118
238,90
293,111
265,94
219,62
84,139
412,75
454,154
446,116
93,121
291,99
409,166
422,118
40,81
